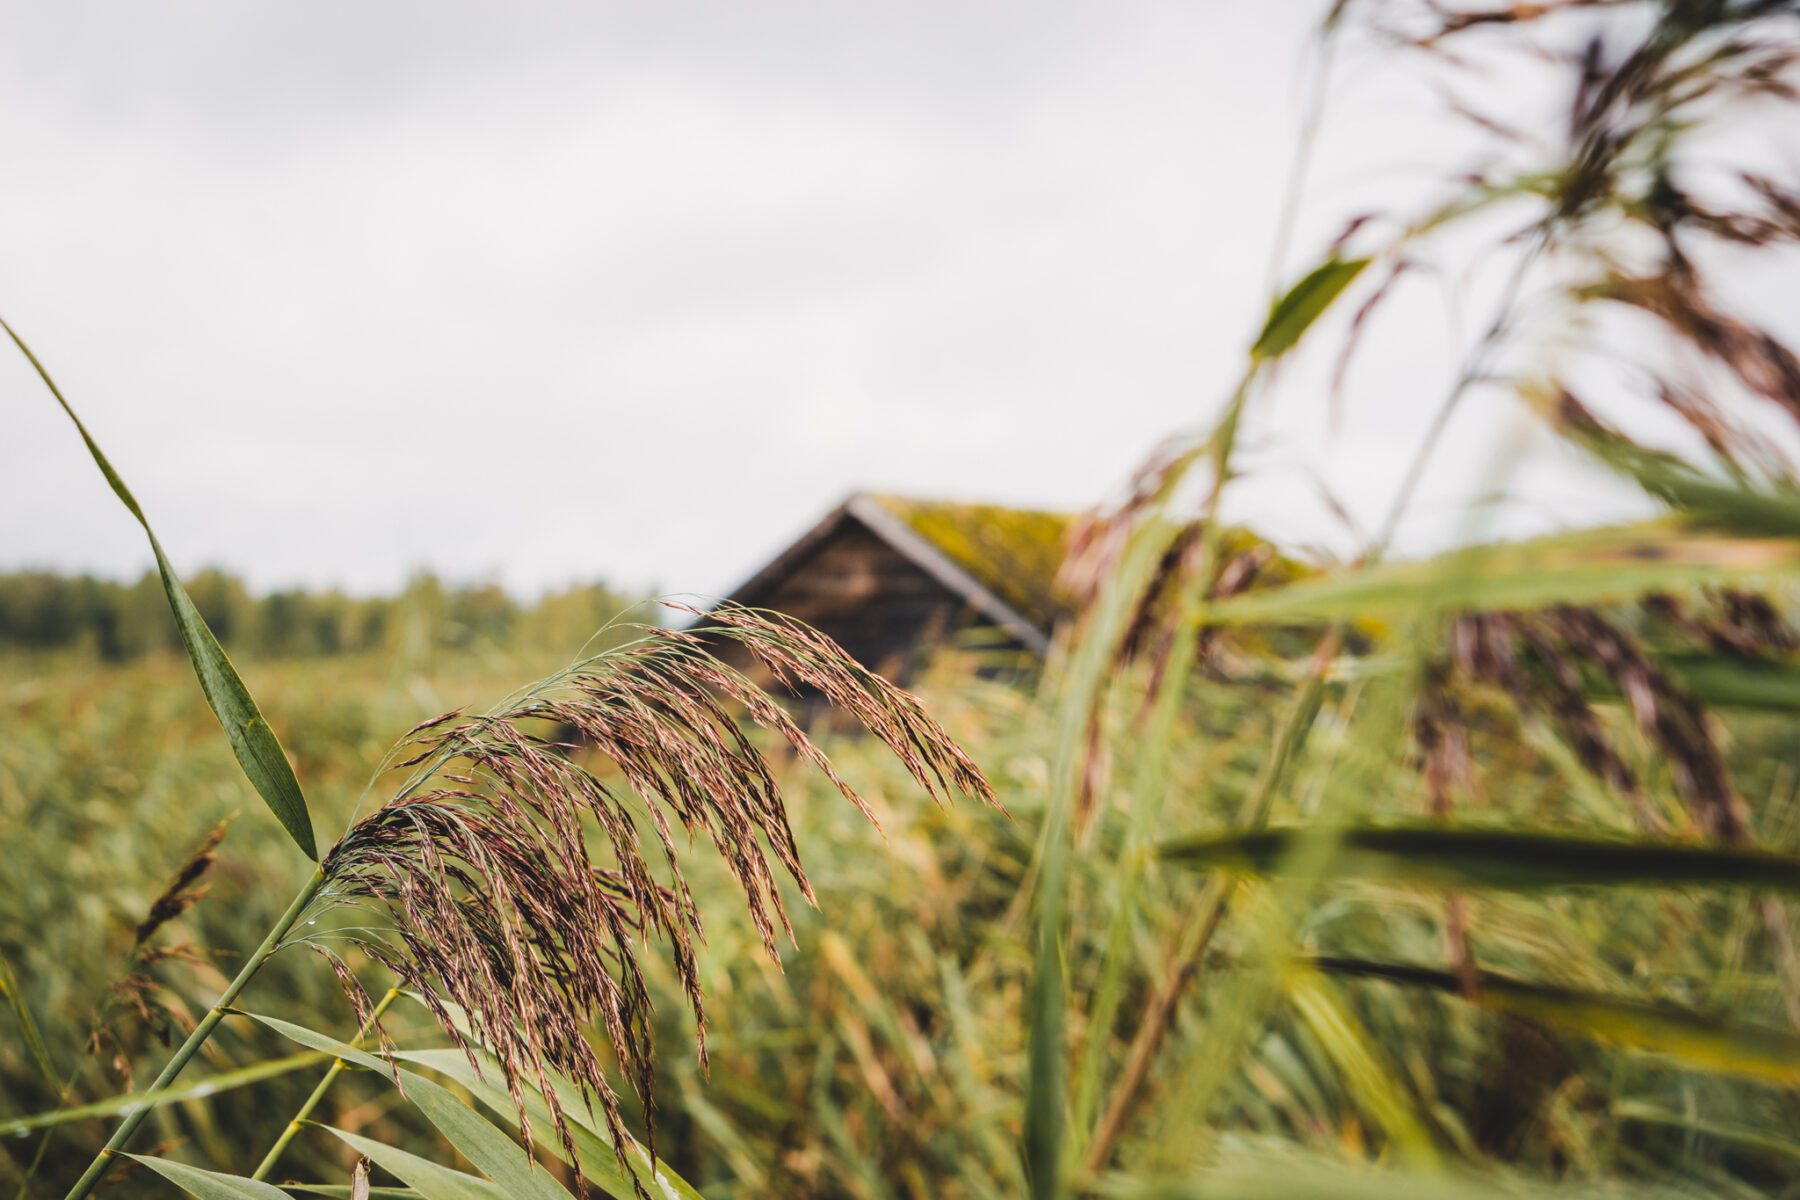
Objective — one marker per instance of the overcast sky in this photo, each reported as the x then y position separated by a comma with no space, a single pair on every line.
552,292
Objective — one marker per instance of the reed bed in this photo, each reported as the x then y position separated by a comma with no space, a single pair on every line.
1464,876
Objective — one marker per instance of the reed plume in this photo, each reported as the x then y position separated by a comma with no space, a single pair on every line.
1556,663
518,886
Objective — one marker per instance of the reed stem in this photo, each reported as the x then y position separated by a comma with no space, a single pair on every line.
318,1093
1197,935
179,1060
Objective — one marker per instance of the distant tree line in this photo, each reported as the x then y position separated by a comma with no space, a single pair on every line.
116,621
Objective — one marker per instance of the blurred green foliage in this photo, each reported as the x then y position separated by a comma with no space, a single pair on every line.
883,1058
118,622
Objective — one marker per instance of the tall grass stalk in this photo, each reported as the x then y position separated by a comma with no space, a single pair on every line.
311,1103
1448,863
203,1030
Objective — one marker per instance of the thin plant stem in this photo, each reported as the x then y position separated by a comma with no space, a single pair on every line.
1198,933
68,1087
43,1146
1192,944
180,1059
1473,369
1128,1090
318,1093
1198,936
1301,165
1145,814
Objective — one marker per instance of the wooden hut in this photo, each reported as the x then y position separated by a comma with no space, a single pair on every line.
891,578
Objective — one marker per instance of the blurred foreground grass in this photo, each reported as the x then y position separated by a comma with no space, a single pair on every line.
1212,951
886,1059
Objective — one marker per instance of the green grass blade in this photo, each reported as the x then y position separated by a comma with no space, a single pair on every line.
1693,1039
429,1179
209,1185
112,1106
598,1164
1344,1181
257,749
1722,506
314,1040
1046,998
494,1154
1293,313
34,1040
1363,1065
1716,503
738,1154
1752,1139
1508,860
1591,566
1721,682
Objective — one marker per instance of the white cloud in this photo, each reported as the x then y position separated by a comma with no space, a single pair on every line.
559,291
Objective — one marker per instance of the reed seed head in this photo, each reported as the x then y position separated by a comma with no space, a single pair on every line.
521,887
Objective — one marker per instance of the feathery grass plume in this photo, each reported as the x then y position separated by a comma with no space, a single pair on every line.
1096,547
1152,628
1636,204
1548,663
518,929
137,1003
185,890
1745,625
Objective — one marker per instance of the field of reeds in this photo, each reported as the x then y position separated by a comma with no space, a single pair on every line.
1466,875
885,1056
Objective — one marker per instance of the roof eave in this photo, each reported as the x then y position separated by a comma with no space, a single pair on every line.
934,562
873,516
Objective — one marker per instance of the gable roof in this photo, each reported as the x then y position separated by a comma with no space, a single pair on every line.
1002,562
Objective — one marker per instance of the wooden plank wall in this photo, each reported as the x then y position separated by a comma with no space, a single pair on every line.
870,599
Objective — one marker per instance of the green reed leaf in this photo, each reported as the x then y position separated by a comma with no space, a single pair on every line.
258,750
1346,1181
1717,503
314,1040
129,1102
1749,1139
597,1161
477,1139
1594,565
1046,1140
1507,860
496,1155
1740,510
209,1185
34,1040
1691,1038
429,1179
1362,1063
1293,313
1721,682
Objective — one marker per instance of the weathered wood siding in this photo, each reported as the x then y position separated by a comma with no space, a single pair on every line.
870,599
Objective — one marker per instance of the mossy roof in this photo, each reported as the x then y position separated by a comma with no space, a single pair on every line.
1014,553
1003,560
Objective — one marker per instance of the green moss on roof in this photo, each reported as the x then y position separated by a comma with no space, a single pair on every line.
1014,553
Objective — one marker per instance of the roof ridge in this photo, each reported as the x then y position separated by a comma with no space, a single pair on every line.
894,530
